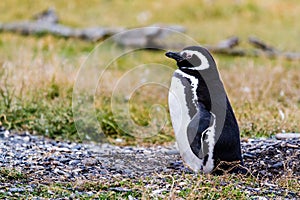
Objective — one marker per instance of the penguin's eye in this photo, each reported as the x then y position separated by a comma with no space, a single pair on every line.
186,55
189,56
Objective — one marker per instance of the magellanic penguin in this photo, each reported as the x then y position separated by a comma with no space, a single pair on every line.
204,123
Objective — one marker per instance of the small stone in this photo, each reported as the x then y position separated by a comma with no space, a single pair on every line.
2,129
77,147
76,171
172,152
261,198
147,152
292,146
61,172
283,136
103,172
74,162
64,160
50,192
90,193
119,140
182,183
277,165
90,161
156,192
127,171
15,190
262,162
270,184
26,139
119,189
175,164
63,149
249,155
9,193
6,134
131,197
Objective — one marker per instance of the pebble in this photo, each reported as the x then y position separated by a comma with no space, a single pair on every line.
156,192
119,140
270,157
277,165
131,197
43,159
119,189
14,190
283,136
4,133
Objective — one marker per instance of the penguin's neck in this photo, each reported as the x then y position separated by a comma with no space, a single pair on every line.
194,82
199,89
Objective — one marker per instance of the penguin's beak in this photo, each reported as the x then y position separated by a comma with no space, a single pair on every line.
175,55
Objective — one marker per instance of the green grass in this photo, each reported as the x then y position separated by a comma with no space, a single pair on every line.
11,175
187,186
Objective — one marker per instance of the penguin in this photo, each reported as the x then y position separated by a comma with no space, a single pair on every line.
205,127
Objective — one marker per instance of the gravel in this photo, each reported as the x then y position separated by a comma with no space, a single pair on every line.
47,161
271,158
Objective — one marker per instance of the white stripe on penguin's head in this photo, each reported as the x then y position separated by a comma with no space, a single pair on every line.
196,59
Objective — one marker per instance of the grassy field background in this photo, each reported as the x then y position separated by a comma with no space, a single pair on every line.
37,73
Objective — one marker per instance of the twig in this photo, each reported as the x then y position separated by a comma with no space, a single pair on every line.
261,45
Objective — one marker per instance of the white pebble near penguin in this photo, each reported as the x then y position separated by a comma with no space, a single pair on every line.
206,130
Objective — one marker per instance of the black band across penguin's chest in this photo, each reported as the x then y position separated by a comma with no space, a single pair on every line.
195,94
203,94
189,96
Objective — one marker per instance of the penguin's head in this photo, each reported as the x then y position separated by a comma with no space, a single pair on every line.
193,58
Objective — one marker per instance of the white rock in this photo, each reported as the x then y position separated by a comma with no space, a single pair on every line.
282,136
119,140
6,133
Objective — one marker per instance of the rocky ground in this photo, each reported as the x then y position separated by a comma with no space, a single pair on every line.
44,161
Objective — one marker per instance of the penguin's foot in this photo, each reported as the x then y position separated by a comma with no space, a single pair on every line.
235,167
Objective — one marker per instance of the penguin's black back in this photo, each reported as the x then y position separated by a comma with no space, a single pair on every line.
228,139
227,147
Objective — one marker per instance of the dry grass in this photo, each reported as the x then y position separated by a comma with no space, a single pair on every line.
181,186
264,93
265,96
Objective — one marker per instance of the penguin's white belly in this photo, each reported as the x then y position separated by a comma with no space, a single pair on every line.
180,120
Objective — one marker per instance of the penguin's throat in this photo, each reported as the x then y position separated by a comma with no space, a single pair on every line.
194,85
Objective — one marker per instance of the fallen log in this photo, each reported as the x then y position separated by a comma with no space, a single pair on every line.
229,46
41,28
269,51
148,37
47,22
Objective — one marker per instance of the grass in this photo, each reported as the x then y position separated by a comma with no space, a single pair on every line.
256,107
37,74
186,186
11,175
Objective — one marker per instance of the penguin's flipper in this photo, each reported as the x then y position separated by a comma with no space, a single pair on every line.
196,131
